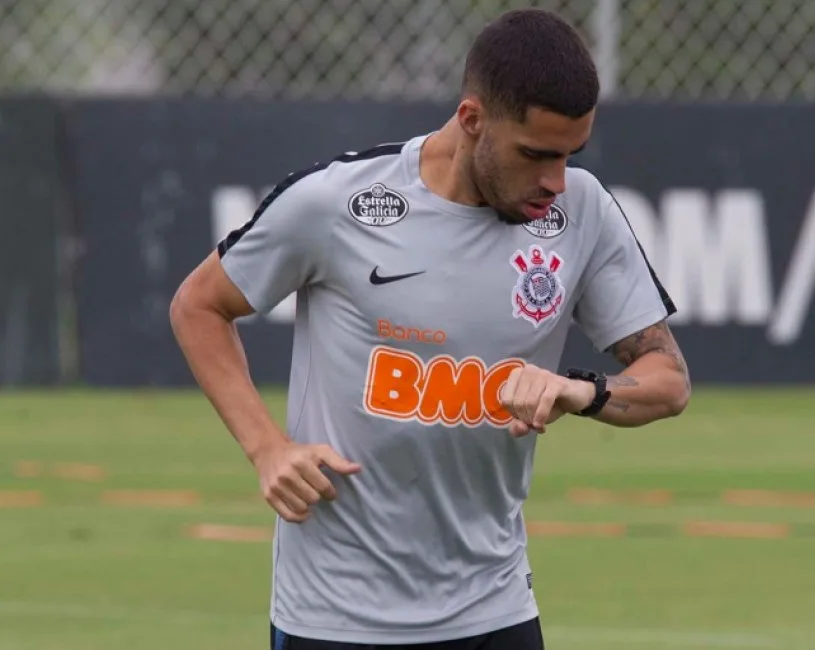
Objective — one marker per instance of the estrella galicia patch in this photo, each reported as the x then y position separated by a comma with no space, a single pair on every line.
378,206
552,225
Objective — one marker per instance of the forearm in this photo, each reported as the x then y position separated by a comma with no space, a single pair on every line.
216,357
649,389
655,383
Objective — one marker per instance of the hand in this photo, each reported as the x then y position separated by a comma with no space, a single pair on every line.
291,479
536,397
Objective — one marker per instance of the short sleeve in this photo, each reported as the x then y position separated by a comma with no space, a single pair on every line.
282,248
622,295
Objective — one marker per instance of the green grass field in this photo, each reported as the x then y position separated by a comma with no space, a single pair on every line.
81,571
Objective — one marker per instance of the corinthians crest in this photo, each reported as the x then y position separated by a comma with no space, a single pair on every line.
538,293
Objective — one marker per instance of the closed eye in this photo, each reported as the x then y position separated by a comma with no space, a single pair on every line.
539,154
547,154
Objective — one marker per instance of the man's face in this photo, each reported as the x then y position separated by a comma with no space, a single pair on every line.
520,167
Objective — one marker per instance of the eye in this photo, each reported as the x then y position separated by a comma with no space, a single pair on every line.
539,154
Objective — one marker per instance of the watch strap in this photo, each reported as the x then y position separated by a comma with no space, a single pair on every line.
601,392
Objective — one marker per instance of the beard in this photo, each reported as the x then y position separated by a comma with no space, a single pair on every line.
486,176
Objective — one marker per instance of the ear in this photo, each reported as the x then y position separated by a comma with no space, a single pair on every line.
470,115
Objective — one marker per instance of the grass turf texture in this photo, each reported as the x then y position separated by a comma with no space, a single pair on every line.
87,565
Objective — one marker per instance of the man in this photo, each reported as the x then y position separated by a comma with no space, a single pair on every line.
436,282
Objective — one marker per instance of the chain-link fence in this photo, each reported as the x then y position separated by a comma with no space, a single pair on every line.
679,49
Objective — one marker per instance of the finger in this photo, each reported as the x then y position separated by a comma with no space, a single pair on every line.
518,429
319,481
507,392
337,462
546,403
524,399
285,493
284,511
301,488
528,402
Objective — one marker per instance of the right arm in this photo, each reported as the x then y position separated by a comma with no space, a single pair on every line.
202,315
254,268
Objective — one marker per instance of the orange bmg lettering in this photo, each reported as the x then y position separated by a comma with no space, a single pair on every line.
401,386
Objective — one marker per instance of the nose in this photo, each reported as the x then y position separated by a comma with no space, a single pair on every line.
554,177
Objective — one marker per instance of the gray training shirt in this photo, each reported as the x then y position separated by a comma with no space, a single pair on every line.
411,313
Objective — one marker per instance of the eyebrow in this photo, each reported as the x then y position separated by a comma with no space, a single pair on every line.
551,153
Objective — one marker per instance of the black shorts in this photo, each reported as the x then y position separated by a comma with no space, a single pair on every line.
524,636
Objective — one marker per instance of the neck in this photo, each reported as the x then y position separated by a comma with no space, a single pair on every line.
444,166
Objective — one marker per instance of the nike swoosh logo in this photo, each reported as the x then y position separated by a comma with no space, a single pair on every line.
387,279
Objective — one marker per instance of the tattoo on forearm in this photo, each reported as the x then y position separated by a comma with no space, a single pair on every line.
655,339
615,381
620,406
622,380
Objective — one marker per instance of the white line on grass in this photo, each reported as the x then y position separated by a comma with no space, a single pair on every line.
664,637
105,612
649,637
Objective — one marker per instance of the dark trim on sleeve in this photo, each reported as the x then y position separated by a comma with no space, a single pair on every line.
375,152
234,237
663,293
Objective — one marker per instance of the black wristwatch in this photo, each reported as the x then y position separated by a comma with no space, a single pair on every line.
601,394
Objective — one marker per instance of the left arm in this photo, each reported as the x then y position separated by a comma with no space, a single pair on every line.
655,383
622,308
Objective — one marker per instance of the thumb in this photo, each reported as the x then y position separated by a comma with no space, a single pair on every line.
337,462
555,414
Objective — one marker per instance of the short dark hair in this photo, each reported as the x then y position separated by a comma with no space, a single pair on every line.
531,57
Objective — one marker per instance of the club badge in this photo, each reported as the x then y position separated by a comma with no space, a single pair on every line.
538,293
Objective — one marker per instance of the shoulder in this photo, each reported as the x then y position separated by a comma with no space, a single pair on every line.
581,180
586,198
334,174
303,199
379,158
324,182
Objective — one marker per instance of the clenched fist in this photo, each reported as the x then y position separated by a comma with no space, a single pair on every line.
536,397
291,479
